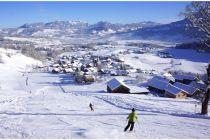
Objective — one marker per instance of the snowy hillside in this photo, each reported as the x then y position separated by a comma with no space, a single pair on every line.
172,32
36,104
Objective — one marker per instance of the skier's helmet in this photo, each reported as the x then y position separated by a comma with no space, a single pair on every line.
133,110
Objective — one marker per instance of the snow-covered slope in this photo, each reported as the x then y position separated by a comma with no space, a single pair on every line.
13,65
53,106
173,32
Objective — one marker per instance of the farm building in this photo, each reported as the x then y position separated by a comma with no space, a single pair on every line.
199,84
138,90
57,70
164,54
157,85
175,92
168,79
119,73
117,86
185,79
68,70
191,91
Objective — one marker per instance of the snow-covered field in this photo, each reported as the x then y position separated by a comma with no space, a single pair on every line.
40,41
45,105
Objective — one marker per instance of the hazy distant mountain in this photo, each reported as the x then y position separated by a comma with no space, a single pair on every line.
73,27
103,28
175,31
47,29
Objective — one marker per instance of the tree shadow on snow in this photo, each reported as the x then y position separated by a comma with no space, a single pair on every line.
198,116
62,80
156,112
84,92
67,114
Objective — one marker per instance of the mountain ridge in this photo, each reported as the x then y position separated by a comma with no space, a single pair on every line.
174,31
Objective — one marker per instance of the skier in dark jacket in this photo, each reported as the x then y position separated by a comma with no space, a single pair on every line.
131,120
91,107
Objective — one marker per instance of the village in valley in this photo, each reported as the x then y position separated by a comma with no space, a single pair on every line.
75,79
88,68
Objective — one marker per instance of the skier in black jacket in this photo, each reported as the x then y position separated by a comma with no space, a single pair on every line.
91,107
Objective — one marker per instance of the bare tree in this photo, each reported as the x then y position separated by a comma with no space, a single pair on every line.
31,52
198,12
1,61
205,100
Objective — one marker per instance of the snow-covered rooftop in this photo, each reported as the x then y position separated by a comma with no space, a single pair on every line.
182,77
136,89
198,84
190,90
165,79
160,84
115,83
173,89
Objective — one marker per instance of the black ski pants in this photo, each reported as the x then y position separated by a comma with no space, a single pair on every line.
129,124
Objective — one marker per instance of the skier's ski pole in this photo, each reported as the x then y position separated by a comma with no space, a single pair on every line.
138,123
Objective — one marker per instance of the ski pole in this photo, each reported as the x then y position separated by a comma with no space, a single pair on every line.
126,120
138,123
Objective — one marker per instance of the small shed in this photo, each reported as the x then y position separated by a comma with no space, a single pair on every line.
175,92
157,85
117,86
88,78
191,91
138,90
185,79
56,70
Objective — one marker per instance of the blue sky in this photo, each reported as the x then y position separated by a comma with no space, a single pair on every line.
14,14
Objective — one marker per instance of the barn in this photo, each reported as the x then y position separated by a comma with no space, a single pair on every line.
198,84
191,91
175,92
168,79
117,86
185,79
157,85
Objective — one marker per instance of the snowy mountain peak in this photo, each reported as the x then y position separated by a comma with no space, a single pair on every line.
33,25
76,22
